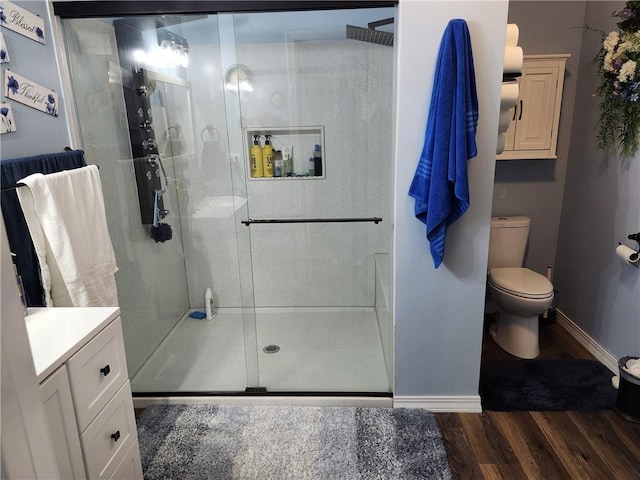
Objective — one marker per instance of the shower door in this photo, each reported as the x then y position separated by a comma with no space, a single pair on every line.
319,228
168,106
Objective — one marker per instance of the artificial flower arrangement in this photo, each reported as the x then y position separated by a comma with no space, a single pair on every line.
619,88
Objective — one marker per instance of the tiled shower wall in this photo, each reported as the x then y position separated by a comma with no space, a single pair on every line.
346,87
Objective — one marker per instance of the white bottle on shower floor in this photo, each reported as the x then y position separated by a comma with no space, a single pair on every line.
209,304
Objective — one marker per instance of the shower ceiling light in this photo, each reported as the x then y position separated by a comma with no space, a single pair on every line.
161,57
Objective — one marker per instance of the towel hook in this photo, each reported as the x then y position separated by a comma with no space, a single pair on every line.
212,132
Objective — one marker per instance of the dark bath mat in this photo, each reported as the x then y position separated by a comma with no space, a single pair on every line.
545,385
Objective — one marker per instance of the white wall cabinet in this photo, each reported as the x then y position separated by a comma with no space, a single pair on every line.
80,363
533,132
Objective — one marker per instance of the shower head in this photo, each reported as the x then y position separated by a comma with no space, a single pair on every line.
370,34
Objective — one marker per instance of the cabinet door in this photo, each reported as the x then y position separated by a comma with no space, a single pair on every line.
58,406
535,112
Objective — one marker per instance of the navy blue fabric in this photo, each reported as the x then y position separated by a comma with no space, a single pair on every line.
12,171
440,186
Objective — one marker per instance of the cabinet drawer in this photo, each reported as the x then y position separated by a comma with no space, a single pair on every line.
130,467
107,440
96,372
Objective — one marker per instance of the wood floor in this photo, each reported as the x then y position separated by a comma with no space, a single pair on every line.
541,445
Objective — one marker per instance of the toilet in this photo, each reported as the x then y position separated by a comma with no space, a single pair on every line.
519,294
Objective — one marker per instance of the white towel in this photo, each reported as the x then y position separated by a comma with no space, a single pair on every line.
66,218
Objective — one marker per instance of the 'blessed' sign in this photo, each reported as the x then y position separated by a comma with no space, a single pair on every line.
22,21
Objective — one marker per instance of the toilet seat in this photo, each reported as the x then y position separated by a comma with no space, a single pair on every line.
521,282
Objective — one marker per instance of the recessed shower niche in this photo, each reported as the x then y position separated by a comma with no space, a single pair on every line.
299,148
298,264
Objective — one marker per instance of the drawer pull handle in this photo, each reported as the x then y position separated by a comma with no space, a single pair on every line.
105,370
116,436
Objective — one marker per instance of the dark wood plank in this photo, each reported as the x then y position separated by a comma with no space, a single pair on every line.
462,461
545,445
486,441
601,435
530,445
573,450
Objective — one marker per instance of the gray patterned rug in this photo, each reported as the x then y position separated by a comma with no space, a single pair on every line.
237,442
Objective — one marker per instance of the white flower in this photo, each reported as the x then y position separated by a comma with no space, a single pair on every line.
611,41
627,70
624,47
608,62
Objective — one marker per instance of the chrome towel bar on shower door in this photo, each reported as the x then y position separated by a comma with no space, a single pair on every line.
375,220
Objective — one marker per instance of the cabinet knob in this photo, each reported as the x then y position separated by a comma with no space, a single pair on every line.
105,370
116,436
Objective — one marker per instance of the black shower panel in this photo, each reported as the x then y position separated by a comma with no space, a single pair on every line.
137,92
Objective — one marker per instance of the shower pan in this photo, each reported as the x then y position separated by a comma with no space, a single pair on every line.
168,105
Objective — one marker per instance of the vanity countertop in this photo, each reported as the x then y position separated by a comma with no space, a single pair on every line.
56,333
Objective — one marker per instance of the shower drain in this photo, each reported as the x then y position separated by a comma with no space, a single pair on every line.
271,349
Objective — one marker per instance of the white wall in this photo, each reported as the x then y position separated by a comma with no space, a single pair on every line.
439,313
343,85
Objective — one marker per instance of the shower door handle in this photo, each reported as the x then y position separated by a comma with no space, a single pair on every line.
375,220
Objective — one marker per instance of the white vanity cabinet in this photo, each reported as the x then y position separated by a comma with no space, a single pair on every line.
79,357
533,132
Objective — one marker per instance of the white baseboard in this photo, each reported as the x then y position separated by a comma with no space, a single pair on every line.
459,404
594,348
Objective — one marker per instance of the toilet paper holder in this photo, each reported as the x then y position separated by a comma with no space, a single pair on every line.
636,238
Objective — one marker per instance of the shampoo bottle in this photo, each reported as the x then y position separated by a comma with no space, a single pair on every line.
209,304
257,169
267,157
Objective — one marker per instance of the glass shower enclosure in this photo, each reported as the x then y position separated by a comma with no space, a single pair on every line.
294,243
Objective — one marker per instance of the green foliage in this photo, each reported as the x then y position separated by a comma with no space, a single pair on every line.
619,67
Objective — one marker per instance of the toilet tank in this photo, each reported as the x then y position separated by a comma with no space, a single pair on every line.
508,241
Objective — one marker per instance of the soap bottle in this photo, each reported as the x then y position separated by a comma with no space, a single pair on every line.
317,160
267,157
257,169
209,304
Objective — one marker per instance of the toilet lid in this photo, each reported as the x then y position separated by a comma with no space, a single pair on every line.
521,282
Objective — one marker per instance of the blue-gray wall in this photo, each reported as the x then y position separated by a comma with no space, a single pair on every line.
36,132
601,207
439,313
535,187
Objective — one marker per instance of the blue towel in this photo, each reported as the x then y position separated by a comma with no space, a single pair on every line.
11,172
440,186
